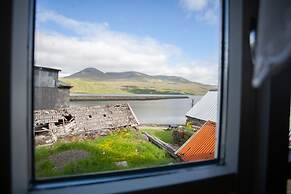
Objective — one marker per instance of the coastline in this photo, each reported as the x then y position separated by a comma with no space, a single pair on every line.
93,97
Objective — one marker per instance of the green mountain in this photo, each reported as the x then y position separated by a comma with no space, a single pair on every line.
94,81
95,74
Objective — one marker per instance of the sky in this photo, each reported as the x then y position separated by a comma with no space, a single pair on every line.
168,37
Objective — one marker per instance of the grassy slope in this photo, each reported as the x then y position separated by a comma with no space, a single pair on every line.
132,87
165,136
122,146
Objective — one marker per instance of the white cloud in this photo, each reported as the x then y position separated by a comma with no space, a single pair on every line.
204,10
209,16
83,28
95,45
194,5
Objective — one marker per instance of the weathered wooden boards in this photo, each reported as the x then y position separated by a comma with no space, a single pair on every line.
162,144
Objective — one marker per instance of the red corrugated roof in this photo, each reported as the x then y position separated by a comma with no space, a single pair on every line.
201,145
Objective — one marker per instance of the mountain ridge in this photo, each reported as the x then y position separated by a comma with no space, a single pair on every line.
94,81
91,73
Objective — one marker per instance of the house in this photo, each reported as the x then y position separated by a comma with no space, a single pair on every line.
201,145
202,116
204,110
49,91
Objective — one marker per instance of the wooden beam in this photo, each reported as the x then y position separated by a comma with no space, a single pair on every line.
161,144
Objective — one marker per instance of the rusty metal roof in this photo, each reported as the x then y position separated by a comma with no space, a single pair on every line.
201,145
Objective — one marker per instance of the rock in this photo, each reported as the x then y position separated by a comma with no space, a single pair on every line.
121,164
180,127
103,133
40,139
145,137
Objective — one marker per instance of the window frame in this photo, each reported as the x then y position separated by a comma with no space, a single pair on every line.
224,170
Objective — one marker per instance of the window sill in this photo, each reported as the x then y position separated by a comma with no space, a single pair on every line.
144,181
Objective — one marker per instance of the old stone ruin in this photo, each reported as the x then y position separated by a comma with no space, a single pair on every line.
81,122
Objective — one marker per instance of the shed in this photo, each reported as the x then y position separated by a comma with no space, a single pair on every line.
49,92
204,110
45,76
201,145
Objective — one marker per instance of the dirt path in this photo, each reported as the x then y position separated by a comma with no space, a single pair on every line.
61,159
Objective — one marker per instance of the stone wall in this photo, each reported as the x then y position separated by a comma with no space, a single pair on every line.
45,97
49,97
81,122
63,99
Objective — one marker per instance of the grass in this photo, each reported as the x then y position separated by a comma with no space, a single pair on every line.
189,129
133,87
164,135
126,145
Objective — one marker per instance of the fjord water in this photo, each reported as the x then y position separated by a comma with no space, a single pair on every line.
165,111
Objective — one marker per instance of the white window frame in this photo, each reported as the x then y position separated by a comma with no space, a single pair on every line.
21,122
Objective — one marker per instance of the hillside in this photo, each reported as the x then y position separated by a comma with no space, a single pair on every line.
94,81
95,74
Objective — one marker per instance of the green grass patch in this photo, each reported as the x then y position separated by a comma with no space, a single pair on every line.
164,135
151,91
126,145
133,87
189,129
94,87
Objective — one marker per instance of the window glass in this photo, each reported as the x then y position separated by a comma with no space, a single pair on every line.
122,85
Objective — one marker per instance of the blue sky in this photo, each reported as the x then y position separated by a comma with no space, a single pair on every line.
172,37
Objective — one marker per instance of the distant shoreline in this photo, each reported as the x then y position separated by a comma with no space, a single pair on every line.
93,97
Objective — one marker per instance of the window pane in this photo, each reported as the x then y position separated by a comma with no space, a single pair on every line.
124,85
